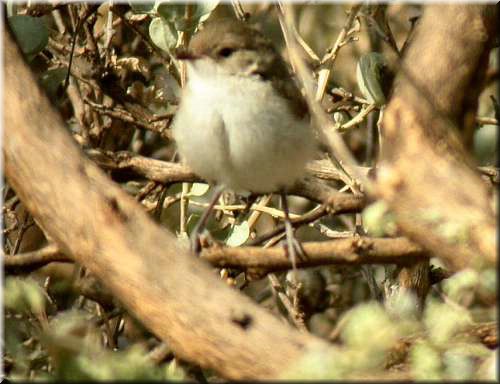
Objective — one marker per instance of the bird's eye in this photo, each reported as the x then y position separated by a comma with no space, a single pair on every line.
225,52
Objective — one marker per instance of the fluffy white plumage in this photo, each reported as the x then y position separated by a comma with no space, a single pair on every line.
236,130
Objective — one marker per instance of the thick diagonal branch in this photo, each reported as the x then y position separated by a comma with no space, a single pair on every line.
175,295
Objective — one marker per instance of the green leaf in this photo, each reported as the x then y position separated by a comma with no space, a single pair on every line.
488,281
204,9
174,372
141,7
485,140
170,12
341,117
461,284
458,366
377,219
35,297
31,33
443,321
369,327
24,294
425,362
369,74
199,189
163,34
402,305
72,341
132,364
52,79
176,13
238,235
317,364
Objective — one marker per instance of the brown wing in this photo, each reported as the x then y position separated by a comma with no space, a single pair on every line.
277,71
288,89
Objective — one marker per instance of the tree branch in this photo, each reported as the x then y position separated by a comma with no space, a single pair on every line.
351,251
442,203
30,261
175,295
312,187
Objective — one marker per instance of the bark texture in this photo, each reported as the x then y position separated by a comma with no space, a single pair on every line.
426,176
175,295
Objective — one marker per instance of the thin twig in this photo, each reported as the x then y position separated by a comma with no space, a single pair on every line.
146,190
109,33
160,353
330,57
487,120
81,21
256,208
239,11
30,261
152,48
338,91
161,126
183,206
293,314
356,119
20,234
338,151
305,219
492,172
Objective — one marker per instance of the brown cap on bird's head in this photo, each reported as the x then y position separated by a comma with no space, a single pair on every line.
235,36
233,47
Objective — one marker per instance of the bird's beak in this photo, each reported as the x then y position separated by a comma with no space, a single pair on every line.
184,54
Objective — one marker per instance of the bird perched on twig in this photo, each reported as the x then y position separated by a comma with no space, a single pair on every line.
242,122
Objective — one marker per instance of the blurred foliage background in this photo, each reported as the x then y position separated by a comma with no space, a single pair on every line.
60,323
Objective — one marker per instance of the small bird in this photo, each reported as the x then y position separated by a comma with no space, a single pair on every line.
242,123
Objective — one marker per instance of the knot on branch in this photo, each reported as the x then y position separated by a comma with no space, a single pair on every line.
361,245
115,208
242,319
122,156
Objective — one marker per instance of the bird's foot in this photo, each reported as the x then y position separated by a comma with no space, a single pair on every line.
199,241
195,244
294,250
